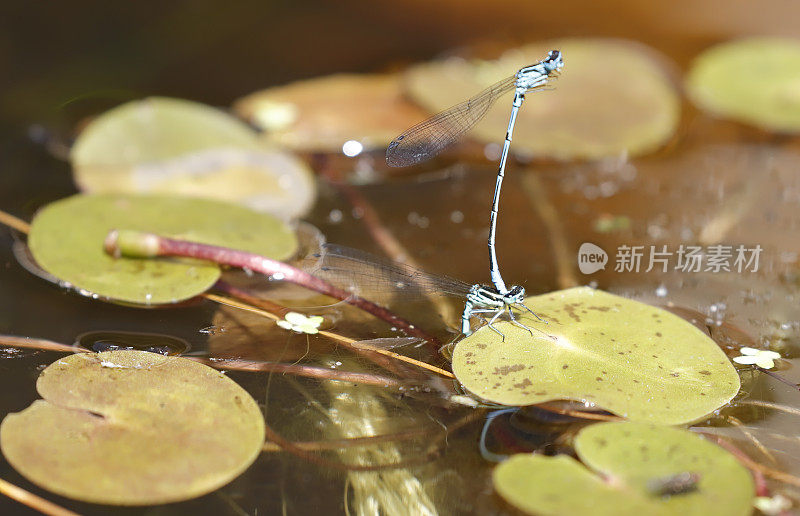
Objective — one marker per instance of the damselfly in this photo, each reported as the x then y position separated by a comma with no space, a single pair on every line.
351,268
428,138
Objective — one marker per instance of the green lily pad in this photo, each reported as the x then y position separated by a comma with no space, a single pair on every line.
173,146
633,359
612,97
756,81
133,428
634,469
66,239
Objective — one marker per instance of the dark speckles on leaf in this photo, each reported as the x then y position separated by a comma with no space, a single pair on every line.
674,374
504,370
541,393
524,383
571,312
565,366
658,334
599,379
707,373
599,308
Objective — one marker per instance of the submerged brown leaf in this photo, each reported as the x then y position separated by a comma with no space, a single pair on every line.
322,114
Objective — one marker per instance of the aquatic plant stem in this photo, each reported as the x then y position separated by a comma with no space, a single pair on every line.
231,365
757,470
31,500
147,245
346,341
14,222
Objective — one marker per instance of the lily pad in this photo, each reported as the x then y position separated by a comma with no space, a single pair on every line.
612,97
133,428
755,80
66,239
164,145
631,468
633,359
322,114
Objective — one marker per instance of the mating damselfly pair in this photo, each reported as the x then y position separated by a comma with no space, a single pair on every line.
428,138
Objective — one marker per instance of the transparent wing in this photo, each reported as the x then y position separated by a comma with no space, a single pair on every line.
428,138
371,275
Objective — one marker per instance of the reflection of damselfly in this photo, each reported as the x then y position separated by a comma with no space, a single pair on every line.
351,268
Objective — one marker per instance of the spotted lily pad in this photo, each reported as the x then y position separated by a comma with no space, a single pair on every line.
164,145
612,97
66,240
369,109
754,80
133,428
630,469
633,359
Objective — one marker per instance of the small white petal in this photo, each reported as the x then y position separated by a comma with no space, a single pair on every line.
765,363
295,318
315,320
771,354
745,360
749,351
311,330
285,325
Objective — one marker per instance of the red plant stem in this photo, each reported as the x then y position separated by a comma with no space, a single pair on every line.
141,245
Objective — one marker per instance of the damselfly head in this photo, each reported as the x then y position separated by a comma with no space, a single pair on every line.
554,61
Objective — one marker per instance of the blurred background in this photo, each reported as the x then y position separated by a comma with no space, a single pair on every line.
90,52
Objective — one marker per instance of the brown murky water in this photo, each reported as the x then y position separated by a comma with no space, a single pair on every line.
716,182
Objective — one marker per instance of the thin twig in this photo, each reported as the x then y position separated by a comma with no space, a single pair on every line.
778,377
351,343
42,344
758,470
31,500
148,245
770,405
763,449
579,414
232,364
300,370
14,222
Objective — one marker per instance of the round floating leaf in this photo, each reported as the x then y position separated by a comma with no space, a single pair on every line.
322,114
635,469
755,80
66,239
612,97
133,428
633,359
163,145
